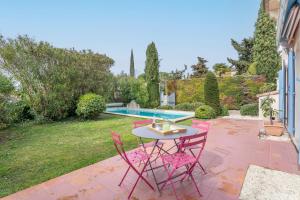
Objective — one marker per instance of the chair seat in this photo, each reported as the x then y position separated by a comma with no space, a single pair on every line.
194,147
138,156
178,159
151,144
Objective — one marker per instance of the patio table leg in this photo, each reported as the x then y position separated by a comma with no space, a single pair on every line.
151,168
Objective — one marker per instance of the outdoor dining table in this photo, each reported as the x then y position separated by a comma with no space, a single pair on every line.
145,132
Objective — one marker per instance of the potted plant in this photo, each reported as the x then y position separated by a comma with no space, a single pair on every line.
271,128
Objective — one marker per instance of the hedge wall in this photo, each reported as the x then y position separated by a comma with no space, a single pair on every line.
234,91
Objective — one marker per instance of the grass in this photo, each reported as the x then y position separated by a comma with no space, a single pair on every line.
31,153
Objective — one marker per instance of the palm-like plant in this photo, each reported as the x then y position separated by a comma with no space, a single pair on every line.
268,110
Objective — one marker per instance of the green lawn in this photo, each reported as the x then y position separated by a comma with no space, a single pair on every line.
31,153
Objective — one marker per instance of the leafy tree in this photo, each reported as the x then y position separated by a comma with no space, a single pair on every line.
244,50
264,49
200,68
252,69
211,92
52,79
152,75
221,69
6,88
132,73
178,74
132,89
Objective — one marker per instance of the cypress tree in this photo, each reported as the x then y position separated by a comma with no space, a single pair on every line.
264,49
152,74
132,74
211,92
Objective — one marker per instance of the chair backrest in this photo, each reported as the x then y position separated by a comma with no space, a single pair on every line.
140,123
202,125
119,145
198,140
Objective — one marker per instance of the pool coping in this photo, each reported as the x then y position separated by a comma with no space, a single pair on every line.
190,114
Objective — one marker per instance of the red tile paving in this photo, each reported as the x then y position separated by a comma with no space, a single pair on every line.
231,147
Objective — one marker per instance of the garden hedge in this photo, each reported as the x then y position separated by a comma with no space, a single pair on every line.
234,91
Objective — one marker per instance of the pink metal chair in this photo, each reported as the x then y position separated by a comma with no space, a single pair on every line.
202,126
139,123
135,157
182,159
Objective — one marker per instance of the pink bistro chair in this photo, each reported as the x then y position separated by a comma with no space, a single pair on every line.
139,157
202,126
172,162
140,123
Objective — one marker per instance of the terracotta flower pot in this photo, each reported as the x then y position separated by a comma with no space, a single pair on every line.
274,130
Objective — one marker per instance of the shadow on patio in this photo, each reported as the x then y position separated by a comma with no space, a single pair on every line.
231,147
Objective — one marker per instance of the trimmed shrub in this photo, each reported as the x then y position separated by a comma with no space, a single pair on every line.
188,106
224,111
90,106
211,92
249,109
205,112
165,107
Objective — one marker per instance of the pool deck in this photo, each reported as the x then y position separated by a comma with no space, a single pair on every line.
231,147
189,114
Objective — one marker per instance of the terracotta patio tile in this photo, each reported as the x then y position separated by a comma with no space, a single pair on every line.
231,146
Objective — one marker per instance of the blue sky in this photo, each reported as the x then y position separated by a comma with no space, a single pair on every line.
181,29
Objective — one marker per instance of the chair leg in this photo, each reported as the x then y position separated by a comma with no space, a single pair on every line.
192,177
140,174
202,167
198,162
170,180
124,176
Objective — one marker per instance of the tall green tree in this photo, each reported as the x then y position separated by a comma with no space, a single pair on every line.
211,92
244,50
152,74
132,73
199,69
221,68
264,49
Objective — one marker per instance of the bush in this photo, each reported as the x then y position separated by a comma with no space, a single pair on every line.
165,107
188,106
20,112
224,111
268,87
211,92
54,78
205,112
249,109
90,106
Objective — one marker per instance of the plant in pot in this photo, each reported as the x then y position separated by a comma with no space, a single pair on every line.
271,128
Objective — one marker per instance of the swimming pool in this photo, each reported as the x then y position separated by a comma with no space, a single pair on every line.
152,113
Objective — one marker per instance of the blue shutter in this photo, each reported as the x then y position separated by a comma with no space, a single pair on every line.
291,93
282,88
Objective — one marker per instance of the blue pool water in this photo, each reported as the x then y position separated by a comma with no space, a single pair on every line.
148,113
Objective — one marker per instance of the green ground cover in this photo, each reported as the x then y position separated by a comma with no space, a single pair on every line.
33,153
